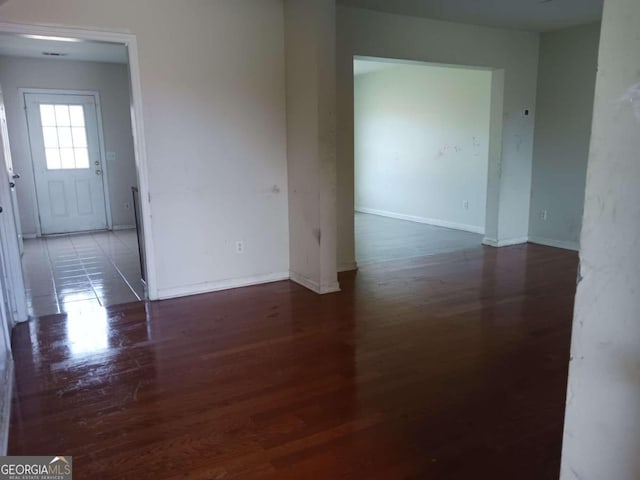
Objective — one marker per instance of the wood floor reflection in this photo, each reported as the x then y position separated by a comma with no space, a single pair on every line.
451,366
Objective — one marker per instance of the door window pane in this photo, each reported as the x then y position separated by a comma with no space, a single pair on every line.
48,115
53,158
67,158
50,137
65,136
82,157
76,112
62,116
79,137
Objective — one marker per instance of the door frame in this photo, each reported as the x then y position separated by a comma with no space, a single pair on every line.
10,251
137,120
496,114
101,147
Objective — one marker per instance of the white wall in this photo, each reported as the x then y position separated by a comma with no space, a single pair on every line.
422,144
513,55
566,83
310,54
213,93
602,423
111,81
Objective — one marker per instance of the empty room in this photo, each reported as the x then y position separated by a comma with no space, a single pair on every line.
319,239
421,158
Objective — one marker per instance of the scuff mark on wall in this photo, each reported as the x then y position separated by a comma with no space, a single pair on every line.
443,151
476,146
580,276
576,474
448,148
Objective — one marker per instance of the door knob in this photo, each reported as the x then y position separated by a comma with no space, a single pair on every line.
12,184
15,176
98,172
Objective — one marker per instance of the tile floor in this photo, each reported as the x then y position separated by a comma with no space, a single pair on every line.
379,239
81,271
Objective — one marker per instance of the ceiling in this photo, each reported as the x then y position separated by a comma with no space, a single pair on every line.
19,46
533,15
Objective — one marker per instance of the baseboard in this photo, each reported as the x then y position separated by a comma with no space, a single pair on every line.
208,287
5,407
429,221
347,267
548,242
123,227
492,242
313,285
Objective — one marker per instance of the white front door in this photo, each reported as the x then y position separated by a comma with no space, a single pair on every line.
65,147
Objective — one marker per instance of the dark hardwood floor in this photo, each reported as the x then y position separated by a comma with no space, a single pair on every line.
445,367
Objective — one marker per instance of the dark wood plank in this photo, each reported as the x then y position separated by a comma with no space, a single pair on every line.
445,367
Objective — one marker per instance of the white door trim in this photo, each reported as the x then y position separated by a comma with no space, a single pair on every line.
101,146
140,148
10,254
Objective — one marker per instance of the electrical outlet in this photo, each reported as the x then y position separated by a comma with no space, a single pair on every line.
466,204
239,247
544,215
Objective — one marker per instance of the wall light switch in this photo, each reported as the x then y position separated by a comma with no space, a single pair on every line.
111,156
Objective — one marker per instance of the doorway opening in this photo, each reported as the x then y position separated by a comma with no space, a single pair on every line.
75,171
421,153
